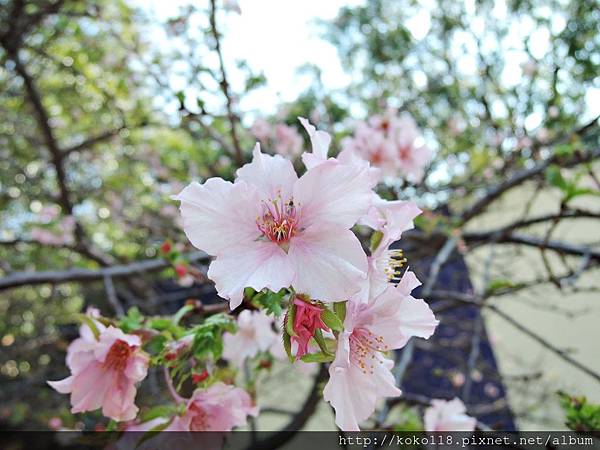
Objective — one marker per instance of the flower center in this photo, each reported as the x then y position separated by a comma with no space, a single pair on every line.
199,420
363,345
279,221
117,356
405,152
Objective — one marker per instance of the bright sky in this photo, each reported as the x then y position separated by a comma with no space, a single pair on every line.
276,37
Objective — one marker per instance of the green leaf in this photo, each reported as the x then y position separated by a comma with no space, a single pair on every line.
160,323
555,178
289,319
320,340
159,411
271,302
287,345
340,310
496,285
318,357
132,321
330,319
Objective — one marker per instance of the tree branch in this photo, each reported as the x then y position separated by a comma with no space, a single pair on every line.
224,84
80,275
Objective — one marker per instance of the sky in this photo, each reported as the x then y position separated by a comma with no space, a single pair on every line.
276,37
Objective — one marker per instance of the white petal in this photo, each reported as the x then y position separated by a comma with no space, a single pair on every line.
255,264
219,215
329,262
319,140
273,176
333,193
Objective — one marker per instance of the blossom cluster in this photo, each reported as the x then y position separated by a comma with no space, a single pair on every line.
272,230
392,142
289,249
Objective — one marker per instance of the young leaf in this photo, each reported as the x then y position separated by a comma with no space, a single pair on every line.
289,319
340,310
330,319
287,345
320,340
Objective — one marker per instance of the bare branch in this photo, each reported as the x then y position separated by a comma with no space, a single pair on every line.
17,279
224,84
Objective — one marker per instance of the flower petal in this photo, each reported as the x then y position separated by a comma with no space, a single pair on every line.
219,215
273,176
319,140
255,264
333,193
63,386
397,318
352,394
329,262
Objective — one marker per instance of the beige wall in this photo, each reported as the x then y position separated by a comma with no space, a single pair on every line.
568,320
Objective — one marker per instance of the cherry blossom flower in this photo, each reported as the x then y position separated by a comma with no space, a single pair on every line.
254,334
307,319
360,374
391,142
284,139
261,129
220,407
287,141
448,415
104,372
271,229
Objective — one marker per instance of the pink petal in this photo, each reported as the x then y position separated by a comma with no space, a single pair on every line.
89,388
385,382
63,386
397,318
137,367
255,264
352,394
330,263
333,193
219,215
273,176
118,403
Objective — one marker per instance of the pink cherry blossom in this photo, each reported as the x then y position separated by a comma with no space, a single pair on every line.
448,415
254,334
307,319
287,141
283,139
271,229
261,129
360,374
391,218
104,372
220,407
391,142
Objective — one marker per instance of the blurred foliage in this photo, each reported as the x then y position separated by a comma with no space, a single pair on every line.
581,415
